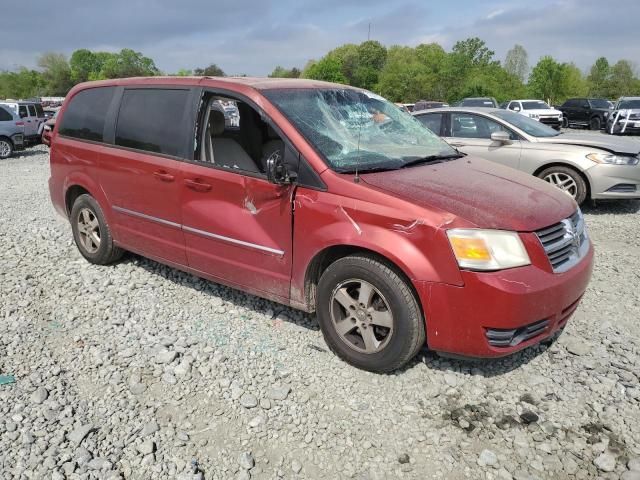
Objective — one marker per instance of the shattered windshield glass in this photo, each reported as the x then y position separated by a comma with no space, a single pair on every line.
355,129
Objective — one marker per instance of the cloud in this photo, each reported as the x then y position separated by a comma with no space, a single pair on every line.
252,36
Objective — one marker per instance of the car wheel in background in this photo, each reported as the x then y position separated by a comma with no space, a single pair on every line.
92,233
6,148
565,122
566,179
595,123
368,314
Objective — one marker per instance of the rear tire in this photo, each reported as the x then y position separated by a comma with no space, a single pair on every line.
568,180
595,123
6,148
368,314
92,233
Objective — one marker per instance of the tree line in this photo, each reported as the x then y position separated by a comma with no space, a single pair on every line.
400,73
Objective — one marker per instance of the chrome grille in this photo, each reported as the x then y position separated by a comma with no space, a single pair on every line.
565,243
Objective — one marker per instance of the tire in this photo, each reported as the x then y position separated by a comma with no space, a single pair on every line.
6,148
565,122
559,175
595,123
391,303
92,233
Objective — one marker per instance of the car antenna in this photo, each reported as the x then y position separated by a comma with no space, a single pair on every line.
356,179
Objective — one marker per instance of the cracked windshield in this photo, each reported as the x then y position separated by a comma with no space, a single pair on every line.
357,130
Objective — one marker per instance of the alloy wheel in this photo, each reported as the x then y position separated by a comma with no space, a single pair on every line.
89,230
564,182
5,149
361,316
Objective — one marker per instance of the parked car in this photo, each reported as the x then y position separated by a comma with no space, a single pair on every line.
585,112
583,165
32,115
425,105
538,110
11,132
625,117
478,102
47,129
327,198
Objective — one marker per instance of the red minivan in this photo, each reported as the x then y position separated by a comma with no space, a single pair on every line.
326,198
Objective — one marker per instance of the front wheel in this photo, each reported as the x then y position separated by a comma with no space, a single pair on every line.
565,122
368,314
595,123
92,233
568,180
6,148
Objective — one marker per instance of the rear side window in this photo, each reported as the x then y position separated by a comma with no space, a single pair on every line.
432,121
32,111
39,110
85,116
22,109
152,120
5,116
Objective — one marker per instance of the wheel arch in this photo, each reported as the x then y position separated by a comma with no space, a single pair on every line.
584,176
325,257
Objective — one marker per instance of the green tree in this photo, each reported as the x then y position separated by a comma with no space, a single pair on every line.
212,70
622,80
546,79
598,78
128,63
23,83
473,51
183,72
328,69
281,72
55,73
371,57
517,62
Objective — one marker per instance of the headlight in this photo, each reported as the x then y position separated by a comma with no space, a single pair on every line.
612,159
487,249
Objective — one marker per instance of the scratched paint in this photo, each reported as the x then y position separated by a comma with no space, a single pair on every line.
353,222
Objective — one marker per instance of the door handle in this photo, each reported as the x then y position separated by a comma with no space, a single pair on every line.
197,185
455,144
164,176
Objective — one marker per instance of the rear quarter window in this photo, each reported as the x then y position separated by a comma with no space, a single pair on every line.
433,121
152,120
85,116
5,116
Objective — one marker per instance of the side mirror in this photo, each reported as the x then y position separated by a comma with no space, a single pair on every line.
516,109
501,137
277,171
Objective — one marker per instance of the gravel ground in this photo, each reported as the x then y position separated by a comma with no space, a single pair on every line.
140,371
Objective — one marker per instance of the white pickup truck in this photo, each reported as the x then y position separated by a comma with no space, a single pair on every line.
538,110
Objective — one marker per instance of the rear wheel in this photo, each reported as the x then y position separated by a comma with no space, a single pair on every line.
368,314
6,148
92,233
566,179
595,123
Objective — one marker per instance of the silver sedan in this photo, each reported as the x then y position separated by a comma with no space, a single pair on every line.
583,165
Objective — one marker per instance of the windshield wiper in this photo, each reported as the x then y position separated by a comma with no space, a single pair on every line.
433,159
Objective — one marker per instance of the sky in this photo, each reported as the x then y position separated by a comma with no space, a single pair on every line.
253,36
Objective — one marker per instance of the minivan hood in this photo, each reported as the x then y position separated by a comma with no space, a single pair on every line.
604,142
484,193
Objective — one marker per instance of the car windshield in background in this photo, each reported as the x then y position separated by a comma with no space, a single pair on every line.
629,104
478,102
535,106
599,103
358,130
526,124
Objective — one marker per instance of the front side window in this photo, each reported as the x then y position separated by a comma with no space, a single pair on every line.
527,125
535,105
152,120
5,116
357,130
465,125
32,111
85,116
432,121
514,106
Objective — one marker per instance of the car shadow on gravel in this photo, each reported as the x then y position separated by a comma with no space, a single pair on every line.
26,154
608,207
231,295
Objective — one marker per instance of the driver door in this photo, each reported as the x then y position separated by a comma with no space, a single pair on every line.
471,134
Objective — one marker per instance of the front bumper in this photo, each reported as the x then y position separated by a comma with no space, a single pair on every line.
614,181
623,125
463,320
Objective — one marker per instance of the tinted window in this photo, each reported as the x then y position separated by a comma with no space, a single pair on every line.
599,103
432,121
464,125
39,110
32,111
514,105
526,124
572,103
151,120
5,116
85,116
535,105
23,111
